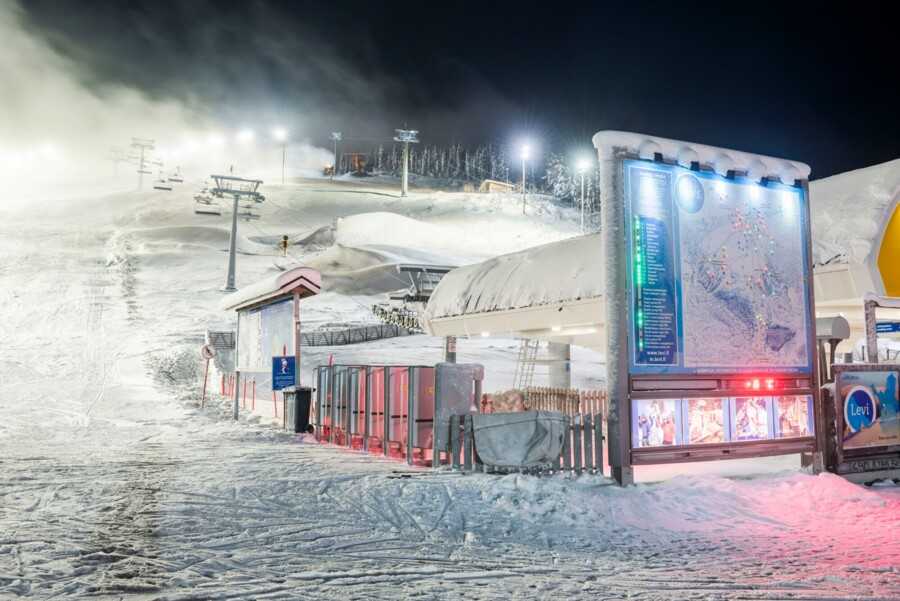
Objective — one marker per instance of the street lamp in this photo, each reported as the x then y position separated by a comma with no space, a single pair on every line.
526,150
245,136
280,134
582,166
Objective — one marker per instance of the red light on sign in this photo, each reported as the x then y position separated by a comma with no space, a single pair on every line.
761,384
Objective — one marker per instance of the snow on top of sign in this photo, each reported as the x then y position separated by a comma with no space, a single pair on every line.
561,271
721,160
850,211
280,283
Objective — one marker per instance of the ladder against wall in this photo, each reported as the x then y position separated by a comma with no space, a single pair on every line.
524,376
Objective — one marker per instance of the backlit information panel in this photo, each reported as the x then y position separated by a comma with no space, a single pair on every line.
718,276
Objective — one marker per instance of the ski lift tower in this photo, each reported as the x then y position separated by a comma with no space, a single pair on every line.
238,188
407,136
142,146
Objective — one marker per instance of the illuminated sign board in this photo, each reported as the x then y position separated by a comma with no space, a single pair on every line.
659,423
717,273
870,409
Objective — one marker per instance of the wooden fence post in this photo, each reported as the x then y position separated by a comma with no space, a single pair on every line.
588,442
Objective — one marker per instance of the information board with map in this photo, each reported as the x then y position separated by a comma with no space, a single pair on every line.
718,279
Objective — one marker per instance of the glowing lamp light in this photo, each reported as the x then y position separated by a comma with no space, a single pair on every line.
556,328
582,165
485,334
245,136
216,140
525,151
280,134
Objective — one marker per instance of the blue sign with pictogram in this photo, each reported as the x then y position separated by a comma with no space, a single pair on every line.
284,372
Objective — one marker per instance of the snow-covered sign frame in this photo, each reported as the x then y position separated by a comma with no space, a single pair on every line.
709,303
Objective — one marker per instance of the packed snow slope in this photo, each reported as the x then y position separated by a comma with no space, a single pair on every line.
114,485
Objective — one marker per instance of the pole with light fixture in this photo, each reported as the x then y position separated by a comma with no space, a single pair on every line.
525,151
582,167
280,134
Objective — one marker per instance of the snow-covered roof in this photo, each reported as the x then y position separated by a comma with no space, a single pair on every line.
721,160
850,211
306,280
568,270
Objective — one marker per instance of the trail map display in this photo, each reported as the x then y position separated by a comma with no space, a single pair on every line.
718,273
265,333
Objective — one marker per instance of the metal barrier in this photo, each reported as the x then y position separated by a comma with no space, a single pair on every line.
380,409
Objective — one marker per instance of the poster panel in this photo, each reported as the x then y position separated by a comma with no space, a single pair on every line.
265,333
718,273
751,418
706,420
656,423
793,416
871,409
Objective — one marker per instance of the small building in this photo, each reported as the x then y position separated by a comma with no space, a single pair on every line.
492,186
268,328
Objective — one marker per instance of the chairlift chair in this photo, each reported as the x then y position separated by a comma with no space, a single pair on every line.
162,184
208,210
176,176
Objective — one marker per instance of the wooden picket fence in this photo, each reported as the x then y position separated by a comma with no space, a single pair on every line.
570,401
582,450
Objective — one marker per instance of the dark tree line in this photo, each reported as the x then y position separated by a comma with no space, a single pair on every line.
554,175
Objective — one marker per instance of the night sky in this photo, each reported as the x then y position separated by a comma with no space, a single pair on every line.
807,82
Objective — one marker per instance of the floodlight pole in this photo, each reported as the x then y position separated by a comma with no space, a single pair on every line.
232,247
283,156
582,201
523,183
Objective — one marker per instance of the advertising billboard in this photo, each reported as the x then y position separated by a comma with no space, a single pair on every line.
871,409
264,333
659,423
717,273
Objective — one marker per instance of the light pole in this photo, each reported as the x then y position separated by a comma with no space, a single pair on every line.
407,136
280,134
582,167
526,150
336,137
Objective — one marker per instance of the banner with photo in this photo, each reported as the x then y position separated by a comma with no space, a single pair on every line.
751,418
793,416
656,423
706,420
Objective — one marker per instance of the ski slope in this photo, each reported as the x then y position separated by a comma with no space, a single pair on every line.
116,486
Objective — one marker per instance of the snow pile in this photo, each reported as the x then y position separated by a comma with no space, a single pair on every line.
722,160
780,514
850,212
571,269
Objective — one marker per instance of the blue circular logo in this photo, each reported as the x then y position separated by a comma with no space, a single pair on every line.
859,408
689,193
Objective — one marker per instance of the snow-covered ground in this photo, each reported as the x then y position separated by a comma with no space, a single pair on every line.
113,484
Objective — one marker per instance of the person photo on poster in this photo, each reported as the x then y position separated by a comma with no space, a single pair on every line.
793,416
706,420
656,423
751,418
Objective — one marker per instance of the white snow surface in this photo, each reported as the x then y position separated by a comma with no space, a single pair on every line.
116,485
722,160
560,271
850,211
